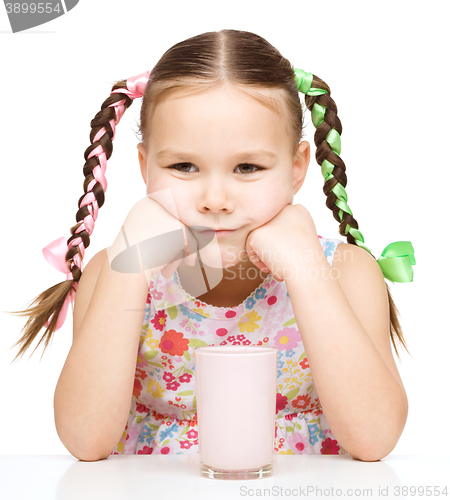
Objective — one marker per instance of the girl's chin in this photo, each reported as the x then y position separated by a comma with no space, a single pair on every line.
223,263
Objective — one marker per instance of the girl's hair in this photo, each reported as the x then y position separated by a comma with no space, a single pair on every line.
242,59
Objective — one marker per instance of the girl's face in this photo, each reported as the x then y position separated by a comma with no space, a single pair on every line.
227,160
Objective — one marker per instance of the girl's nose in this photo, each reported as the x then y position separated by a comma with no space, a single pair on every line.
215,197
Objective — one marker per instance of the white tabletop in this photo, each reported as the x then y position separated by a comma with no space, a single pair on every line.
62,477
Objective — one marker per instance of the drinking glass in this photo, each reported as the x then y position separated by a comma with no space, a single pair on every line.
235,387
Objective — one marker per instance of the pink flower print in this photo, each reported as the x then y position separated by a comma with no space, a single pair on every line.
145,451
330,447
168,377
172,386
156,295
281,402
287,339
186,377
192,434
159,321
141,363
165,450
221,332
185,445
290,416
241,338
300,444
130,443
172,293
231,338
246,342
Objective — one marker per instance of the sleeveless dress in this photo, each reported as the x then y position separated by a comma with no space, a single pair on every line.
163,416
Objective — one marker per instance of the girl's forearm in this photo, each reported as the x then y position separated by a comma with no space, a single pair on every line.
360,397
93,394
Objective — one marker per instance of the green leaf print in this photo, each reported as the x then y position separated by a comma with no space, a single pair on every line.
186,370
309,388
291,394
185,430
290,429
165,442
302,356
172,311
187,355
150,355
139,419
185,393
196,343
158,365
194,402
290,322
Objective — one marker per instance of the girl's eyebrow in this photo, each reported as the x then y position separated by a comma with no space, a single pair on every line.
246,155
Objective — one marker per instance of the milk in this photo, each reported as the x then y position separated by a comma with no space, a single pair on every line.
236,401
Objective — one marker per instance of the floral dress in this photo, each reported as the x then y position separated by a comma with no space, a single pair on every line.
163,416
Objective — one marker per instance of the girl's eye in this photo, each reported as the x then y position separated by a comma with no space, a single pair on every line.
247,165
175,167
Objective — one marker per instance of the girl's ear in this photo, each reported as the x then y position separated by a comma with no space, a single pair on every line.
300,165
142,154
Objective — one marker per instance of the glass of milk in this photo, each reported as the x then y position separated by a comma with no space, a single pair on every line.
235,387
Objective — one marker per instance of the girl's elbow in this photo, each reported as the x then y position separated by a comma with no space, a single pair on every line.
376,449
368,455
92,458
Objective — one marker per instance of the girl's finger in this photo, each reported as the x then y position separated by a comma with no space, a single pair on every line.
170,268
191,259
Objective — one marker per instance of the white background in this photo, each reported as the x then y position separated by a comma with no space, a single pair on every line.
387,66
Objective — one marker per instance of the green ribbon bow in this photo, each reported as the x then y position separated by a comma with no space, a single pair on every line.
396,261
397,258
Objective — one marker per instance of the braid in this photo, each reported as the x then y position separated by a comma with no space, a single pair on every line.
102,134
327,139
397,258
66,256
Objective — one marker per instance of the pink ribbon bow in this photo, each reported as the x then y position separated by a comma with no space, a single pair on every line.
54,254
135,86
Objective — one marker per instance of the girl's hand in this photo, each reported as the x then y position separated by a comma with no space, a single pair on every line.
278,245
152,239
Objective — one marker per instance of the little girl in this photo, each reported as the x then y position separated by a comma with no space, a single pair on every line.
221,125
